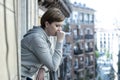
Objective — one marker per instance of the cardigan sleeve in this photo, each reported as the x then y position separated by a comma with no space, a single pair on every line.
41,49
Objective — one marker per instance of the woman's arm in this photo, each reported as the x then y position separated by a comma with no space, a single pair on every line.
41,49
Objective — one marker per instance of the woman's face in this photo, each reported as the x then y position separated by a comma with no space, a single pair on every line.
51,29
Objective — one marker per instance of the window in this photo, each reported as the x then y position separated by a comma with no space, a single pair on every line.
90,18
81,17
75,34
86,17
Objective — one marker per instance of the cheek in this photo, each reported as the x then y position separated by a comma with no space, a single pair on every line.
52,31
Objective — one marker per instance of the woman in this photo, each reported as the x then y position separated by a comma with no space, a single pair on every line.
36,46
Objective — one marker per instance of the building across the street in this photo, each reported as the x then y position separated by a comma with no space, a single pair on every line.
80,34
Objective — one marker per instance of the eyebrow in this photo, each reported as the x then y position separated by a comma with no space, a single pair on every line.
59,24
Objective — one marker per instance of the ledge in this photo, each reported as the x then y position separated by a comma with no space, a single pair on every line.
63,5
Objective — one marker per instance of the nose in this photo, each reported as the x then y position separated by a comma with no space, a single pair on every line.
59,28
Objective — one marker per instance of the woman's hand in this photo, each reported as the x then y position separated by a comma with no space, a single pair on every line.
60,36
40,75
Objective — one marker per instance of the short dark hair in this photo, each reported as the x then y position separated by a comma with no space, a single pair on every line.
52,15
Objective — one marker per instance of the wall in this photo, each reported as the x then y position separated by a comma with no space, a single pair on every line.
8,41
16,17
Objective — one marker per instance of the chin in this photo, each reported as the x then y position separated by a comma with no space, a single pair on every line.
54,35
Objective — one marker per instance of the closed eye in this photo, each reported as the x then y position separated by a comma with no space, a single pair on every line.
58,25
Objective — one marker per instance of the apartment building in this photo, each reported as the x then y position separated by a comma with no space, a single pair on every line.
81,36
107,39
108,44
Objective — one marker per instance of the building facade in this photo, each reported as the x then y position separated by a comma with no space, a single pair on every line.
16,18
81,36
107,41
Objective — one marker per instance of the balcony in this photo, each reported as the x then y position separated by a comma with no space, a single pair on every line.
63,5
78,51
89,50
89,36
78,37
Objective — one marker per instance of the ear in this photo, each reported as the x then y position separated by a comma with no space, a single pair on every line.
46,24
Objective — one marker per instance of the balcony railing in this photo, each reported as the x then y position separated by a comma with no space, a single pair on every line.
78,37
88,36
78,51
89,50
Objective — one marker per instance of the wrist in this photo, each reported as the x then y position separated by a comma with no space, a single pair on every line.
60,41
42,69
